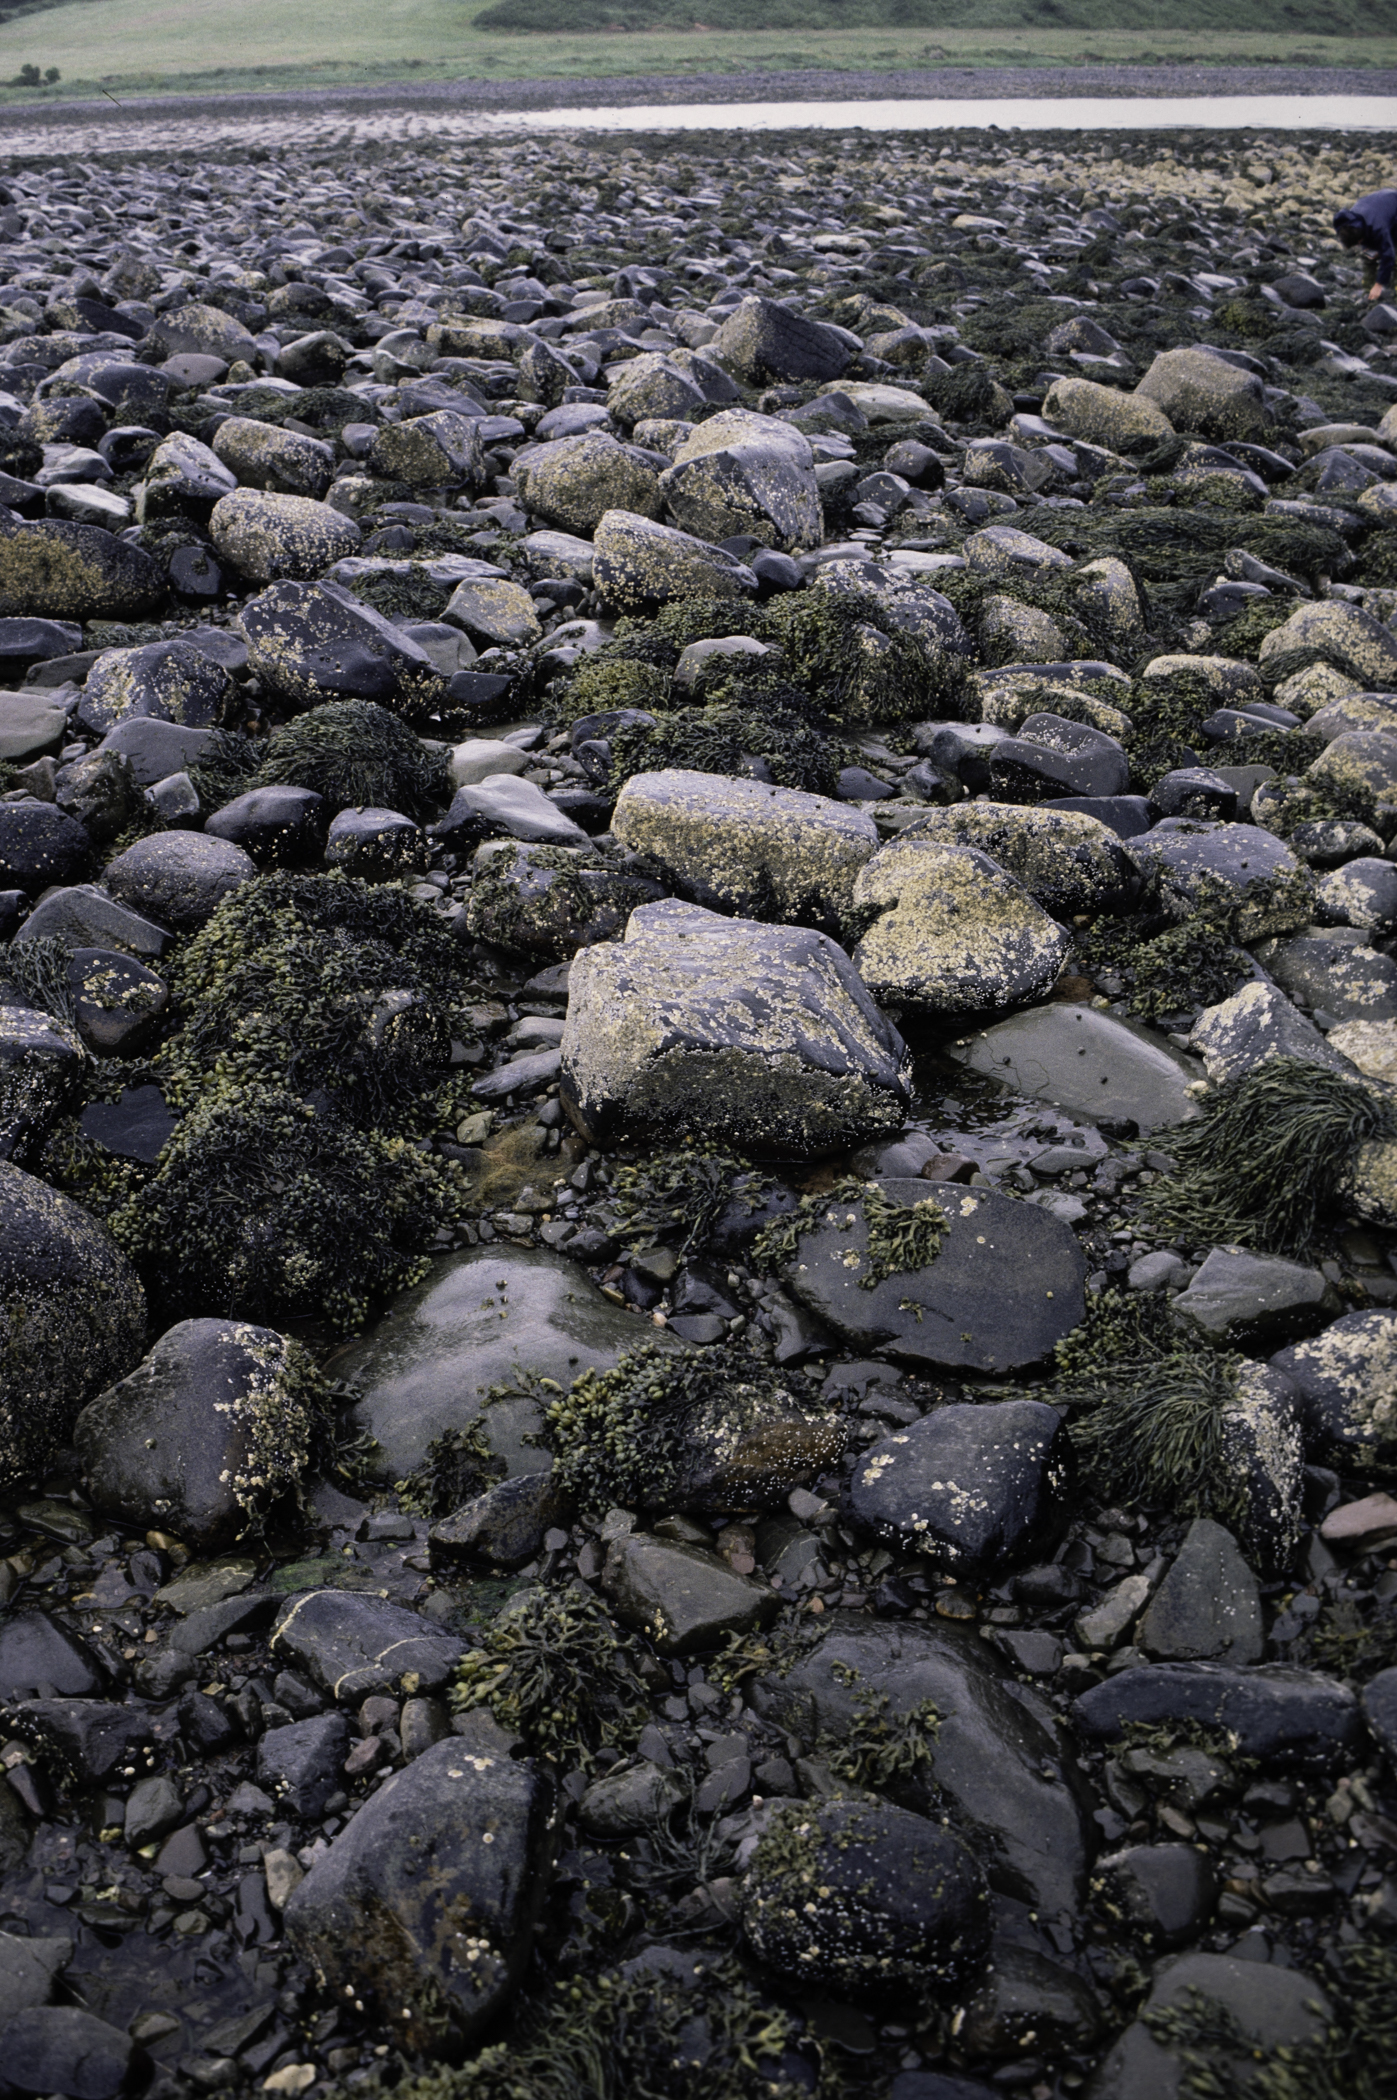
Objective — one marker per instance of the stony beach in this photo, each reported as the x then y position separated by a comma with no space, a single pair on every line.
698,1113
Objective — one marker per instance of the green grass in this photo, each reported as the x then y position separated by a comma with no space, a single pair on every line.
226,46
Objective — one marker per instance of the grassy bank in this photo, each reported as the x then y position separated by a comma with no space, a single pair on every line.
211,46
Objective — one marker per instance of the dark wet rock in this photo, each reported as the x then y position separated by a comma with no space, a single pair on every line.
483,1318
74,1315
1208,1607
312,642
684,1598
154,749
38,1656
949,931
1051,757
1334,968
624,1803
1290,1718
215,1423
85,1739
1005,1286
1012,1787
137,1125
30,726
62,2049
117,1002
41,1066
277,827
865,1899
376,845
29,1970
1273,2007
454,1913
742,473
1256,1300
300,1766
503,806
757,1035
542,901
504,1526
1345,1380
1029,2003
178,877
1186,865
973,1489
351,1646
761,341
1087,1063
40,846
1165,1893
1380,1711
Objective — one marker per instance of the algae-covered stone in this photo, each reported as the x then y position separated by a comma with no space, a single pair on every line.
1010,631
1334,968
72,1316
268,537
440,450
1346,1383
1363,759
639,565
1005,1285
550,900
742,846
949,930
41,1067
482,1318
683,1598
1199,391
868,1900
1347,637
744,473
651,385
1256,1024
573,482
1102,415
762,340
1088,1063
62,571
1105,591
179,878
1006,551
747,1035
184,478
1370,1046
203,331
494,611
1370,1183
264,457
204,1434
1068,861
1226,678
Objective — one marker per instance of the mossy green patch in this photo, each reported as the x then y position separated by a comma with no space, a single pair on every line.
553,1669
357,755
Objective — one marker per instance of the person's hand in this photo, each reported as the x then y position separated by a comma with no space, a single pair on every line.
1379,291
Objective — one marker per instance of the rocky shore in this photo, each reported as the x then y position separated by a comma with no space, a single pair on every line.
698,1121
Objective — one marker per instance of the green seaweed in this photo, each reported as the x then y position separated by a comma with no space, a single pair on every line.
1265,1161
902,1237
553,1669
357,755
676,1196
1353,2058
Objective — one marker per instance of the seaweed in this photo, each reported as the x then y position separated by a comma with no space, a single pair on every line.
227,768
724,739
459,1466
357,755
37,971
552,1669
1353,2058
1192,964
261,1207
1266,1160
902,1237
676,1196
880,1751
647,2035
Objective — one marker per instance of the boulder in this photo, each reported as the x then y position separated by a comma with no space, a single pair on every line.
1273,2008
1336,969
762,340
1009,1781
173,681
41,1067
351,1646
282,461
214,1425
1102,415
268,537
1254,1025
974,1489
639,565
745,473
1200,391
440,450
684,1598
1345,1380
450,1859
1088,1063
41,847
1295,1719
1208,1606
1005,1285
749,1035
1067,861
867,1900
1187,866
179,877
1347,637
573,482
312,642
745,847
949,931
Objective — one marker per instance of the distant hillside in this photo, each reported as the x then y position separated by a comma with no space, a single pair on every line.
1312,17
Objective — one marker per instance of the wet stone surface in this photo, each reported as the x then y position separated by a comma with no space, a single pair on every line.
698,1235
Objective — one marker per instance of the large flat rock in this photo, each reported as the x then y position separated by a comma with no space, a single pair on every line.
1087,1062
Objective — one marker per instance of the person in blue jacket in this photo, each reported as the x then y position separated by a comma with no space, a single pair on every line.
1370,224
